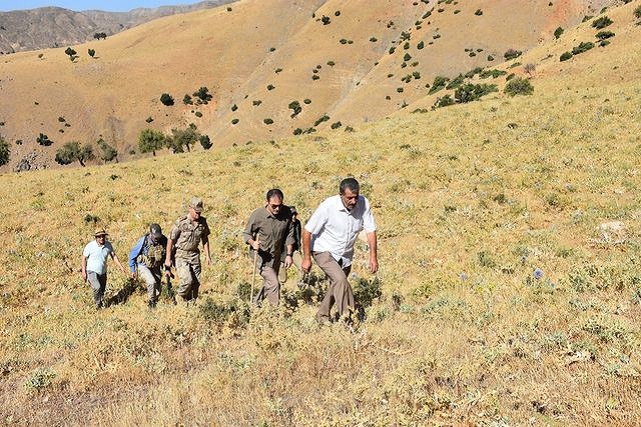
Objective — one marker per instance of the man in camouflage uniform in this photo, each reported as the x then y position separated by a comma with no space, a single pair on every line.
146,260
185,236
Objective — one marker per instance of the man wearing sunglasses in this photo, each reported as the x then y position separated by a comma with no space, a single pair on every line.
268,231
94,265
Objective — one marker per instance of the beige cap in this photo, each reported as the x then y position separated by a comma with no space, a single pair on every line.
196,204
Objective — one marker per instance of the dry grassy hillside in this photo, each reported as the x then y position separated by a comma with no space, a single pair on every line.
344,69
510,275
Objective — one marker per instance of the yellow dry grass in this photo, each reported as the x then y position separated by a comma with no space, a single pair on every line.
470,201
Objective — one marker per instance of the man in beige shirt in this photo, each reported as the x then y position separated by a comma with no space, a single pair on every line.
268,231
186,235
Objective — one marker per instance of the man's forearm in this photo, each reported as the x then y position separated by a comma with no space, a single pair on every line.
307,245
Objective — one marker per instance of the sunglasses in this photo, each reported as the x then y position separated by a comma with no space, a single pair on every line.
275,206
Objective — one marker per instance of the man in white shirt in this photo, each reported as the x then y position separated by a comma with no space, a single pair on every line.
94,265
329,238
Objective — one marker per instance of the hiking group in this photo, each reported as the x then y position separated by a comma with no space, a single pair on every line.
275,238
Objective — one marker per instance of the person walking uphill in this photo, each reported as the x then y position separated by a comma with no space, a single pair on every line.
185,236
268,231
94,265
146,259
329,238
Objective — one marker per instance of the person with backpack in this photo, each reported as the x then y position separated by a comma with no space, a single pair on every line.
146,260
94,265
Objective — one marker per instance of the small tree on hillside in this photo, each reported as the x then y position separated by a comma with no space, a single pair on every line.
519,86
150,141
73,151
91,52
4,151
71,52
203,95
99,36
107,152
182,138
43,140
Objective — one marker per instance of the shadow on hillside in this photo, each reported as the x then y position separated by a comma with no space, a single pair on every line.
121,297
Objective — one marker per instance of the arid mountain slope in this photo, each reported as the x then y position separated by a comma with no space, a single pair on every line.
48,27
331,57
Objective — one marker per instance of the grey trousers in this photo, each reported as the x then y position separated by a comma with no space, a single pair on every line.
339,291
151,277
98,283
189,274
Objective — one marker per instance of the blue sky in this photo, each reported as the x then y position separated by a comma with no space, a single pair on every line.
78,5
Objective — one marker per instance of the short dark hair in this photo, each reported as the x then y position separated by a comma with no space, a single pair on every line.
350,183
275,192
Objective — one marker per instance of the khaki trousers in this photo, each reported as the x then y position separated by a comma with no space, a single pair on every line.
271,286
339,291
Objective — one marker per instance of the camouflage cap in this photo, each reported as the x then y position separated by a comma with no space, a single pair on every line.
196,204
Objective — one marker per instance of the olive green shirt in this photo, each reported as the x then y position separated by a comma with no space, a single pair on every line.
187,235
273,232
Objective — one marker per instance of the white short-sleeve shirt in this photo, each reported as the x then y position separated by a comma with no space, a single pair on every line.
334,228
97,256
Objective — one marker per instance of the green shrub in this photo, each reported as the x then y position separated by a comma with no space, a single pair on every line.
298,131
492,73
203,94
458,81
268,121
478,12
420,45
234,121
39,380
5,153
271,87
445,101
519,86
602,35
601,22
471,92
257,102
182,138
565,56
91,52
72,151
582,47
407,57
336,125
166,99
198,114
107,152
637,12
43,140
307,101
512,54
295,107
331,63
558,32
205,142
234,107
150,141
320,120
392,50
187,100
439,83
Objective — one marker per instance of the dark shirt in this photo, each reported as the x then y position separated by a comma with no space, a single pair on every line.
273,232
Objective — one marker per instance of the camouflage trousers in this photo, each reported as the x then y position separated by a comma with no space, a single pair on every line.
189,275
151,277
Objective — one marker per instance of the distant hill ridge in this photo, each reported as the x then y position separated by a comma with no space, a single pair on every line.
50,27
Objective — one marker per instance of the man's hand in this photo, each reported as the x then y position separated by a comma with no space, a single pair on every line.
84,276
208,260
255,245
288,261
373,265
306,265
133,275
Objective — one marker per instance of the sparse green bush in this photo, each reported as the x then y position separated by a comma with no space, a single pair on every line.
512,54
439,83
271,87
43,140
234,107
558,32
257,102
602,35
458,81
565,56
205,142
295,107
5,152
203,95
445,101
637,12
320,120
420,45
39,380
187,100
298,131
492,73
471,92
198,114
307,101
72,151
91,52
336,125
150,141
234,121
601,22
478,12
392,50
519,86
582,47
182,138
107,152
167,99
268,121
326,20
